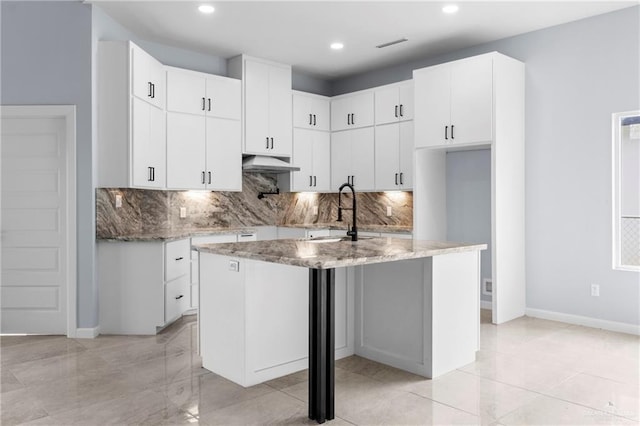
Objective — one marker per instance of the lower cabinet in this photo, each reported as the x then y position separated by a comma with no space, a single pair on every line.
254,318
143,285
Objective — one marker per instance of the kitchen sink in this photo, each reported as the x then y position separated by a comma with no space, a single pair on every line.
319,240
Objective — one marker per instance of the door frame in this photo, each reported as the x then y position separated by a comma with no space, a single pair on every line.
68,113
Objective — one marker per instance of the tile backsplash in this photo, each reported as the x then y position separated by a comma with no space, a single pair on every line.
152,210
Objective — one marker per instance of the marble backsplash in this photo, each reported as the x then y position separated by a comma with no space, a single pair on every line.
146,211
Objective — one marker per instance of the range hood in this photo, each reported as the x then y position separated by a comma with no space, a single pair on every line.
264,164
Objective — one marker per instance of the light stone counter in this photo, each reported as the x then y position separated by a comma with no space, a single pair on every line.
178,234
324,255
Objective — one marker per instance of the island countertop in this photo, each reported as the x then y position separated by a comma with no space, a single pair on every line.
319,254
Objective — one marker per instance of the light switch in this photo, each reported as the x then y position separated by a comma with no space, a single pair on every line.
389,211
315,210
183,212
118,201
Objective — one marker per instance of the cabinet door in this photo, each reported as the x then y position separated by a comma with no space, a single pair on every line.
406,154
185,151
432,104
224,154
185,92
256,108
472,100
322,161
387,153
280,110
362,159
339,114
362,108
387,103
340,158
223,97
303,158
148,77
405,110
321,113
302,111
148,145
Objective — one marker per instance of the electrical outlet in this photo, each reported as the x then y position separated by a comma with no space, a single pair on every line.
234,266
183,212
389,211
315,210
118,201
595,290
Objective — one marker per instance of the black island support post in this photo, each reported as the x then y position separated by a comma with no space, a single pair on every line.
321,344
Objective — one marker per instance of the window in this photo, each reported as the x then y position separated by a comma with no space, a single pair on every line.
626,190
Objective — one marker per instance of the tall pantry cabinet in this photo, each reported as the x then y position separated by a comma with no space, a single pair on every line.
475,103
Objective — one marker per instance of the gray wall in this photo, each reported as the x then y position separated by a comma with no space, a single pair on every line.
469,202
577,75
46,59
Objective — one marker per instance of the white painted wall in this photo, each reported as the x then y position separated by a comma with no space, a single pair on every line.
577,74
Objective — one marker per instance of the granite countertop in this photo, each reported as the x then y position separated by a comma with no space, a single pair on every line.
324,255
169,235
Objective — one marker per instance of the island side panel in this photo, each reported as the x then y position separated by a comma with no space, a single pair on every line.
455,311
222,316
392,313
254,322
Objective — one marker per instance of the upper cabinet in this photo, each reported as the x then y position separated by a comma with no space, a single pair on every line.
204,148
394,103
455,102
197,93
267,117
352,111
131,117
352,159
148,80
394,156
311,111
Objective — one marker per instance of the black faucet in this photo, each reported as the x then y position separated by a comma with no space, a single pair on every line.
354,229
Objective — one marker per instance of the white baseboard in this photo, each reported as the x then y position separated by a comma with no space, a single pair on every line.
620,327
87,333
486,304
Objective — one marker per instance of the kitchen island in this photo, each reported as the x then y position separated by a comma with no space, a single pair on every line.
248,335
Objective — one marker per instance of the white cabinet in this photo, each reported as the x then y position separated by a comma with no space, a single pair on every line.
352,159
143,285
267,118
197,93
148,80
352,111
455,103
495,112
394,103
131,118
311,111
203,132
394,156
312,153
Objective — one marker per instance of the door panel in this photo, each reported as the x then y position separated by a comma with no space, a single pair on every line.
256,107
185,92
303,158
224,154
33,290
432,104
387,159
185,151
280,110
362,159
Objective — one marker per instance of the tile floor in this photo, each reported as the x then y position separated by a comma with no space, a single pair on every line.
529,371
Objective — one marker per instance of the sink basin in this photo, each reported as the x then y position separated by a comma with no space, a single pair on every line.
325,239
333,239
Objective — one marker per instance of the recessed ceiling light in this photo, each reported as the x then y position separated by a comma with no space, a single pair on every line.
337,45
205,8
451,8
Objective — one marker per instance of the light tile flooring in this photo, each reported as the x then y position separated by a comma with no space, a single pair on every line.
529,371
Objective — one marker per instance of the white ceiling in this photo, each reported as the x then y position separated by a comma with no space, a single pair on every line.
299,32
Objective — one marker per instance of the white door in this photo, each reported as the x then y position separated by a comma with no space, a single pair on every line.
38,223
387,159
340,158
432,105
224,154
362,158
185,92
185,151
256,108
280,110
387,105
303,158
406,155
321,161
362,110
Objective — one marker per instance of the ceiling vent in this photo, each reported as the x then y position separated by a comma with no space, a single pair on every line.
391,43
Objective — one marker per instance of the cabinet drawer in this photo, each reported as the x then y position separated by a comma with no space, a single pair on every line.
176,298
177,259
